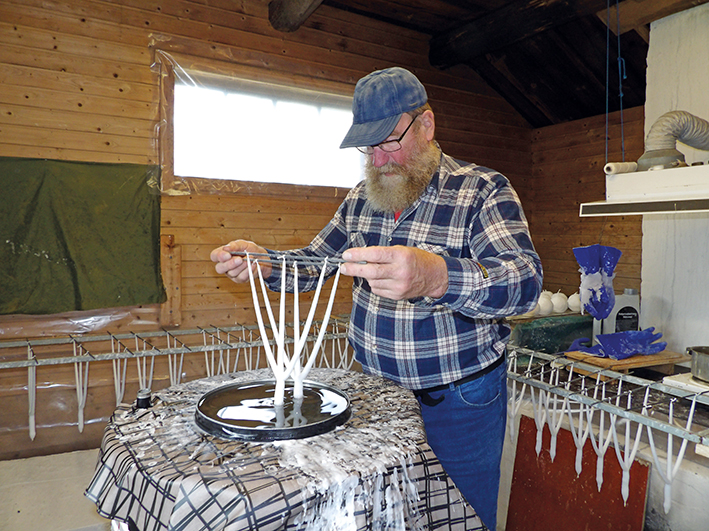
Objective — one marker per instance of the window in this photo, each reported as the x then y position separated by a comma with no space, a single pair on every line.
233,129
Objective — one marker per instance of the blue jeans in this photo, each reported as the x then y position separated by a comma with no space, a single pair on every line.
466,431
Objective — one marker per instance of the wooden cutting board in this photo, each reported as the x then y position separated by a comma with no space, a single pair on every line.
666,357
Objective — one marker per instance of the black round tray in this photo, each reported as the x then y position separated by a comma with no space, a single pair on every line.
246,411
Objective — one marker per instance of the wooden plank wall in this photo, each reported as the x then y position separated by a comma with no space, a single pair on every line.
203,222
568,170
77,83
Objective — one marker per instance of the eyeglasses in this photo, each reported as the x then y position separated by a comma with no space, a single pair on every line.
389,146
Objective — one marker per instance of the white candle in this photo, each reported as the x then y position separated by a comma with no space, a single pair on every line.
282,365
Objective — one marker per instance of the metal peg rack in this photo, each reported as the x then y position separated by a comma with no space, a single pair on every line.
211,339
604,406
225,349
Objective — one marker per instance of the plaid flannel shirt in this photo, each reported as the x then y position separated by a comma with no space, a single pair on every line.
472,217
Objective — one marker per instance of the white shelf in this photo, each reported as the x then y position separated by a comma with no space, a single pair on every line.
668,191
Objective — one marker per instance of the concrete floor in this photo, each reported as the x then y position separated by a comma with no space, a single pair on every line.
48,493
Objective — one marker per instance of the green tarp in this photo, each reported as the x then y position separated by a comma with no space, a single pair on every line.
78,236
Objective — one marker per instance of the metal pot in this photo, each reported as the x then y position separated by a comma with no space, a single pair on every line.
700,362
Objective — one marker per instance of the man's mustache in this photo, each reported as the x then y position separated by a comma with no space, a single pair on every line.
389,167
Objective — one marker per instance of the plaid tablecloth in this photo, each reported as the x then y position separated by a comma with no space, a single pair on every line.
157,470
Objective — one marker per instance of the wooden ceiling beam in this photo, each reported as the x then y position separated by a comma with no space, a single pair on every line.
637,14
507,25
289,15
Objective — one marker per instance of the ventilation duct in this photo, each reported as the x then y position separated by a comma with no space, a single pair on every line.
670,128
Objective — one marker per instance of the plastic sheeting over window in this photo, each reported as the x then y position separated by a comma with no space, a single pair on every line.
225,125
78,236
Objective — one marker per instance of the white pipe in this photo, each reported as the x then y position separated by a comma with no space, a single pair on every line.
613,168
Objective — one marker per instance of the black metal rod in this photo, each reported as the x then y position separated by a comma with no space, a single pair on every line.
306,260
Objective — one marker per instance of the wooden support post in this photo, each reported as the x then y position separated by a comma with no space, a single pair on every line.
171,265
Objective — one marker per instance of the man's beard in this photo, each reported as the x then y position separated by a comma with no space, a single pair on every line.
398,191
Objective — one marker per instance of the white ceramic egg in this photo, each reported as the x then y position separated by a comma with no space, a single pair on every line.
545,306
559,302
574,302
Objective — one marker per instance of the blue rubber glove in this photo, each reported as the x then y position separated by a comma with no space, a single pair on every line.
578,346
623,345
589,258
597,263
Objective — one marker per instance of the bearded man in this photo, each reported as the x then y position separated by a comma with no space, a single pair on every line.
441,254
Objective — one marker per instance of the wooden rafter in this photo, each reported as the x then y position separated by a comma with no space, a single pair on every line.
507,25
637,14
289,15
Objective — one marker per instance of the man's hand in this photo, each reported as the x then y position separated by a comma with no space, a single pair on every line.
235,267
398,272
